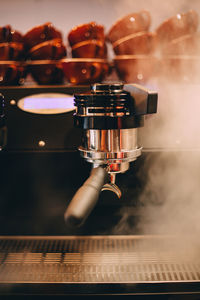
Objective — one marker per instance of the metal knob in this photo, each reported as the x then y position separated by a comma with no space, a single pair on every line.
107,88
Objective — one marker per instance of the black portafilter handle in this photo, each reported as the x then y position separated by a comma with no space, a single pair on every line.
86,198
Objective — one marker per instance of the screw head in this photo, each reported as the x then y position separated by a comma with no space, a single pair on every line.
41,144
12,102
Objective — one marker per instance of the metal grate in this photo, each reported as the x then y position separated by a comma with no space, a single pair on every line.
97,259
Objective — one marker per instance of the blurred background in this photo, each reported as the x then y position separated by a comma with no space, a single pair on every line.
65,14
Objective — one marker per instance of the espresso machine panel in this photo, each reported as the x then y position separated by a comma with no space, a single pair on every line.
40,118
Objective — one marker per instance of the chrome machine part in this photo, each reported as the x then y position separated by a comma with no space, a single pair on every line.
112,187
109,116
113,147
111,140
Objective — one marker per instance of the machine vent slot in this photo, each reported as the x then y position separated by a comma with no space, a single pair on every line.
99,259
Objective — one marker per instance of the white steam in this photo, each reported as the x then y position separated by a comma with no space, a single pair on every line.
159,10
171,196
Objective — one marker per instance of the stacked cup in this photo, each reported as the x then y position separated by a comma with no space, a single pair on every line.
88,41
12,71
89,51
179,44
45,49
133,46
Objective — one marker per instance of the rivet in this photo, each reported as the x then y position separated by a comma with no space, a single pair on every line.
41,143
12,102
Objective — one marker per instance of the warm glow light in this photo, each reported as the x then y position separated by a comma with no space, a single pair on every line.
49,103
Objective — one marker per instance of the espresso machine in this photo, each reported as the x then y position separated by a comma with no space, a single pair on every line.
61,224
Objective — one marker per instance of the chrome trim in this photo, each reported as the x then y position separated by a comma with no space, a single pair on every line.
110,157
111,140
85,112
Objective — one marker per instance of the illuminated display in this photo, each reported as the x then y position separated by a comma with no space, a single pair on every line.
47,103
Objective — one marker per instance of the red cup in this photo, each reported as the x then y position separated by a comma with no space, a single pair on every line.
83,32
84,70
177,26
40,34
12,73
11,51
46,71
7,34
137,43
53,49
135,68
129,24
89,49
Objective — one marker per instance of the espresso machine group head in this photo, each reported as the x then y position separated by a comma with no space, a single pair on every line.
109,116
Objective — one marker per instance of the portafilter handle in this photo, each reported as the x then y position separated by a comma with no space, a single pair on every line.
86,197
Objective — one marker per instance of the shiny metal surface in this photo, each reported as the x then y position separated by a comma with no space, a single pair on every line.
115,140
111,157
112,187
103,111
108,88
115,148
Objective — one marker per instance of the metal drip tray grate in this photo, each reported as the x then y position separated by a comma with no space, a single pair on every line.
128,262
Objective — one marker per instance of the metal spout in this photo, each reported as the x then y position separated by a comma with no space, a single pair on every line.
112,187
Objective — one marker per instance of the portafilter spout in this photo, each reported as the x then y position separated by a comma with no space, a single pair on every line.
109,116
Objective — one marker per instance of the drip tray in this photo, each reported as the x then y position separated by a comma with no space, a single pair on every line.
74,265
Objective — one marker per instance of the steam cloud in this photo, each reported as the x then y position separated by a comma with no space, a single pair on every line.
158,12
171,197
